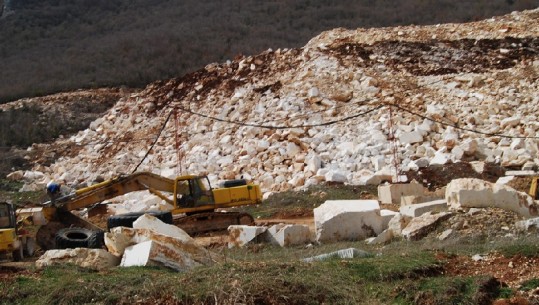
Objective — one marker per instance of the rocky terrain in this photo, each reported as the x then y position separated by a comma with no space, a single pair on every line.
351,106
38,119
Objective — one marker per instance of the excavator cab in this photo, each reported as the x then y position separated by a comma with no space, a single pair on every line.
9,240
193,192
7,216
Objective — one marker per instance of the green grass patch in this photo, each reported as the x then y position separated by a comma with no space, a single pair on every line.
529,285
302,202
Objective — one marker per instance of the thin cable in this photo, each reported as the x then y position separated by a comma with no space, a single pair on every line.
281,127
458,127
155,141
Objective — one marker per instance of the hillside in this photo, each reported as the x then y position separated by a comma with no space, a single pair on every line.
330,120
50,46
347,107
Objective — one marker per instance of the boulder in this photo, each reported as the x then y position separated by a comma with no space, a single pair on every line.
153,253
152,223
406,200
420,226
528,224
397,224
347,220
240,235
392,193
16,175
387,215
476,193
98,259
288,235
342,254
415,210
121,238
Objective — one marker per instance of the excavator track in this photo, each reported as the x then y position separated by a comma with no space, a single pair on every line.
212,221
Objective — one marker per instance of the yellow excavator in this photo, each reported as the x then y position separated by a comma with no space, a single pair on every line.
193,199
534,190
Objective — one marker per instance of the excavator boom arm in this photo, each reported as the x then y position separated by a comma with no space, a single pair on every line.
115,187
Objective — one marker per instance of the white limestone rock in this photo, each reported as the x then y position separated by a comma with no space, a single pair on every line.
476,193
347,220
387,215
121,238
342,254
16,175
420,226
98,259
392,193
397,224
410,137
154,253
288,235
416,210
527,224
241,235
505,179
335,176
154,224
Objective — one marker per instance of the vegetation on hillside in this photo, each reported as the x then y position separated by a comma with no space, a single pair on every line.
58,45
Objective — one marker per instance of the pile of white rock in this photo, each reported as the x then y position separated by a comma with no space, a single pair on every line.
319,89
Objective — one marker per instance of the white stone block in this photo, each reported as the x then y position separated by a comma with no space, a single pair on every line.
505,179
335,176
347,220
392,193
526,225
152,223
98,259
153,253
240,235
387,215
416,210
420,226
476,193
288,235
410,137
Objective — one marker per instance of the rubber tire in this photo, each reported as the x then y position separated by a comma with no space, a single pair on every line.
97,240
73,238
126,220
30,247
18,254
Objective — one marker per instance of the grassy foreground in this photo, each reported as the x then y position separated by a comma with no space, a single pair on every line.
401,273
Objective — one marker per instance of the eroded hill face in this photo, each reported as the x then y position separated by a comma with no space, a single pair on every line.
330,111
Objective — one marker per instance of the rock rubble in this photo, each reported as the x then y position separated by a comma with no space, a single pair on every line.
345,108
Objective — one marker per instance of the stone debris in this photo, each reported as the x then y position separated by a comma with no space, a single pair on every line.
240,235
341,254
397,224
336,220
153,253
335,76
152,223
98,259
445,234
286,235
476,193
420,226
393,193
387,215
152,242
383,238
528,224
416,210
